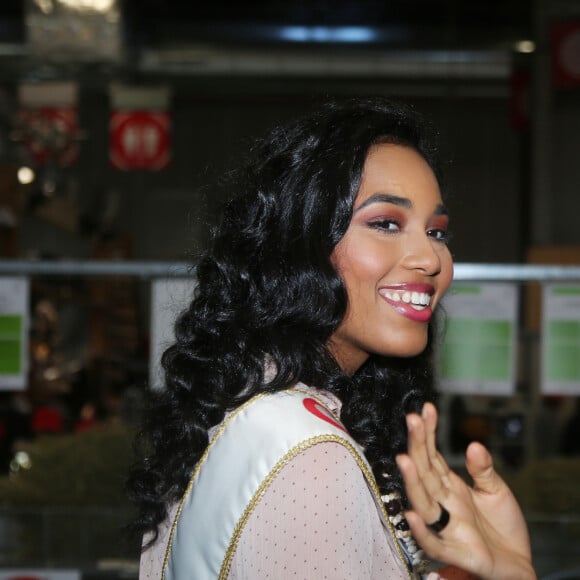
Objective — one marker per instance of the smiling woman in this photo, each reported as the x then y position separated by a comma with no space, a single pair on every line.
393,258
295,437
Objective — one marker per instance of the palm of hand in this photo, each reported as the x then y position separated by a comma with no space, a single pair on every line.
486,534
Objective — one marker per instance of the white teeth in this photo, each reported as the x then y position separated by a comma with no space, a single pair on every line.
417,300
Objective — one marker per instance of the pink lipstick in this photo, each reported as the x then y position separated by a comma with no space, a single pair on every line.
412,300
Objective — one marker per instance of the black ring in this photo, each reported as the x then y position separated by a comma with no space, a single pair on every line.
440,524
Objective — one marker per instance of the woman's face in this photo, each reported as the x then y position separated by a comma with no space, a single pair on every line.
393,259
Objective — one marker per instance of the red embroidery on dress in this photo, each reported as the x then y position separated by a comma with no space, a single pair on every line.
321,412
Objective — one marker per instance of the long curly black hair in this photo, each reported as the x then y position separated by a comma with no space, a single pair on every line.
266,290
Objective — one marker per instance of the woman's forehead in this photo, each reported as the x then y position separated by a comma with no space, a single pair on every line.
399,171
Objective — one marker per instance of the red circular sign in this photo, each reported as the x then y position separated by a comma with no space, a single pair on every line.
139,140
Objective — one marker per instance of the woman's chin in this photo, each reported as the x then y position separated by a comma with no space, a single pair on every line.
406,349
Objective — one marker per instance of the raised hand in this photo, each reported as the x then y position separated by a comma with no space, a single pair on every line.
486,534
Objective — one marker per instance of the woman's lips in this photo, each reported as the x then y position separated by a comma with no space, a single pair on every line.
410,300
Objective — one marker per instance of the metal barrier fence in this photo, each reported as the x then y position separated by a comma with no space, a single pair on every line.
463,271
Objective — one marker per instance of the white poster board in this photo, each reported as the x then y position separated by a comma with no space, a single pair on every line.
478,351
36,574
561,339
169,297
14,323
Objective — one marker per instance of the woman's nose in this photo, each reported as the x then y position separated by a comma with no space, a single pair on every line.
422,255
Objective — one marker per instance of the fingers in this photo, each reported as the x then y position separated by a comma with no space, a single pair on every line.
430,542
437,547
429,415
424,470
423,439
416,491
420,497
479,465
422,448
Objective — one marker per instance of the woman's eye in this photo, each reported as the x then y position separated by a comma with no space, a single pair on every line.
440,235
390,226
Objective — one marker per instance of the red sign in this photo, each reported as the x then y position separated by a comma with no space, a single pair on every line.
565,40
139,140
49,134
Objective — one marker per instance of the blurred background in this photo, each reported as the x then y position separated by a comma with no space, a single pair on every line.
116,116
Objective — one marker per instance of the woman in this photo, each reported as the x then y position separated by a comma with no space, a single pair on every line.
304,359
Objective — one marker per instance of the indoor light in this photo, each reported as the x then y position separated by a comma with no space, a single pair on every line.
525,46
25,175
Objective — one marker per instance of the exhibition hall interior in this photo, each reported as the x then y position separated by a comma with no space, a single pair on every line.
119,120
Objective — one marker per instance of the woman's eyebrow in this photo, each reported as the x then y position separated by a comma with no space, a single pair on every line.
405,202
385,198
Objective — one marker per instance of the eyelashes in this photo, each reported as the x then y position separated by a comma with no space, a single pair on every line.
385,225
441,235
393,226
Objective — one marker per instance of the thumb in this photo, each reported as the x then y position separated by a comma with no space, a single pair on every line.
479,465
